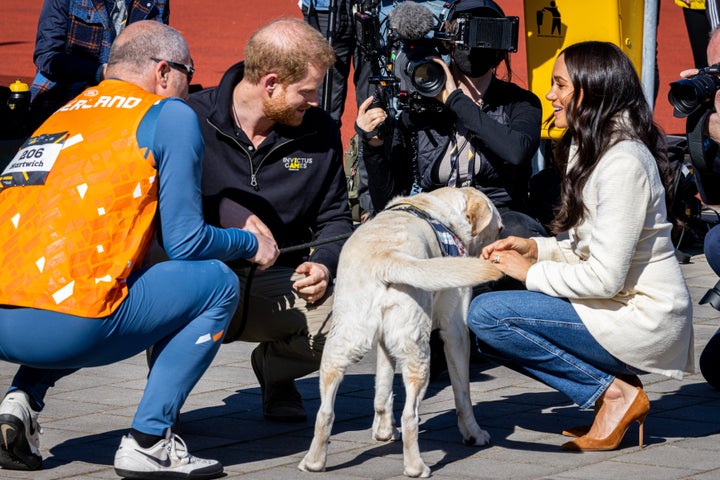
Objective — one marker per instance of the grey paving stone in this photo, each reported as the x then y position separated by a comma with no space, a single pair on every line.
88,412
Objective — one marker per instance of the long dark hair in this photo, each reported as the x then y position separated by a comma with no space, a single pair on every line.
608,106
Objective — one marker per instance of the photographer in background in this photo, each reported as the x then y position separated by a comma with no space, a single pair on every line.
477,131
703,140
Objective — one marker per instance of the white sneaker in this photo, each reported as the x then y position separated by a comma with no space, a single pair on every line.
169,458
19,433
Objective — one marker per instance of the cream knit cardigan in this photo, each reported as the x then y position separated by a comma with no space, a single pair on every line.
618,267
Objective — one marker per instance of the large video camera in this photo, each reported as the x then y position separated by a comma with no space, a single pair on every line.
406,76
689,94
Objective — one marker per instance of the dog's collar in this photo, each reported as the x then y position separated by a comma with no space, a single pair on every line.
449,242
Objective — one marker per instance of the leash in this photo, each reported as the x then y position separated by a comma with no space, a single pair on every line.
253,268
314,243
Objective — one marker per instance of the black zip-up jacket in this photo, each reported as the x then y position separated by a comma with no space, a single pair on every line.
294,181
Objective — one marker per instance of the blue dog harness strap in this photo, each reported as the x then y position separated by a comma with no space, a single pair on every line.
449,242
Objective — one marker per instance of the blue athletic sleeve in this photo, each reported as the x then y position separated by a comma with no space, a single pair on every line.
171,131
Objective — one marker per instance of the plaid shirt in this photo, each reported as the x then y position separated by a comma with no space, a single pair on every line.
73,42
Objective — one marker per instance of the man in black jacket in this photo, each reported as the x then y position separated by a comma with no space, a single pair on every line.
273,164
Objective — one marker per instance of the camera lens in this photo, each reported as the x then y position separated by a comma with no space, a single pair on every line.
417,73
688,94
428,78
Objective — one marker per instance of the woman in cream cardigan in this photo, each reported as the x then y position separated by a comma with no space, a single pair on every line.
605,298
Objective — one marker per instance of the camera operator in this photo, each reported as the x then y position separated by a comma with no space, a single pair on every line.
477,131
704,123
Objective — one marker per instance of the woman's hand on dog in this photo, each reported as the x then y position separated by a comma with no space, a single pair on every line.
512,255
317,278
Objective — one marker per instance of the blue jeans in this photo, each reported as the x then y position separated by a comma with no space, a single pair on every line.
544,338
181,307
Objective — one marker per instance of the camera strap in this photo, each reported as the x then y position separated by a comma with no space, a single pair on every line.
702,150
455,169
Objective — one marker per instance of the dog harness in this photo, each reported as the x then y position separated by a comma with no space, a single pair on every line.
449,242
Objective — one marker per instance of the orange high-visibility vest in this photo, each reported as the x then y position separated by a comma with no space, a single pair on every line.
77,205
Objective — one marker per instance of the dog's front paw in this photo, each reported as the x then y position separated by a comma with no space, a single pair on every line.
479,439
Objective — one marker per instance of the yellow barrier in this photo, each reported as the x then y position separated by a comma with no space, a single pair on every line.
551,25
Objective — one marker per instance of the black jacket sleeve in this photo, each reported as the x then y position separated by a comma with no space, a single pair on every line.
515,143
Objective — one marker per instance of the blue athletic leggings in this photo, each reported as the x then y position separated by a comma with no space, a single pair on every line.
181,307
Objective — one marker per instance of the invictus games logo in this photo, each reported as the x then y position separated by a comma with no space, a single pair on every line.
296,164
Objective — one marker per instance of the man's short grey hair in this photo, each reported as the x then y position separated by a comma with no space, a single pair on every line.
141,41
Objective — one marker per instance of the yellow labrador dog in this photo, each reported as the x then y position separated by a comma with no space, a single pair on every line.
396,282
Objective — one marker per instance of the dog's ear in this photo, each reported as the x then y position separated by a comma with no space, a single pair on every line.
478,213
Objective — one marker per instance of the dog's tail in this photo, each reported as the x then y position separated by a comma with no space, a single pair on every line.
437,273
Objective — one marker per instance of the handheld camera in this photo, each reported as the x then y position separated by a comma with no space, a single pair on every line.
689,94
401,60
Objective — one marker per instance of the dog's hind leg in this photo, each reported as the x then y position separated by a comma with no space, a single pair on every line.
406,335
338,355
384,428
454,333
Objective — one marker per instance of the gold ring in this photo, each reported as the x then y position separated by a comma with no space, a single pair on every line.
497,258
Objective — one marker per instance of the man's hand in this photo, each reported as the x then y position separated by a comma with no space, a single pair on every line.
317,278
689,73
267,251
234,215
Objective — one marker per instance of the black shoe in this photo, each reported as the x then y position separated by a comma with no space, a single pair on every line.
281,400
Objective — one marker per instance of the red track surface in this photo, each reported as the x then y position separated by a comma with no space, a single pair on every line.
217,32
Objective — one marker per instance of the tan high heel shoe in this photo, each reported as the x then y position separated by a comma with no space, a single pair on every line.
580,430
637,412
